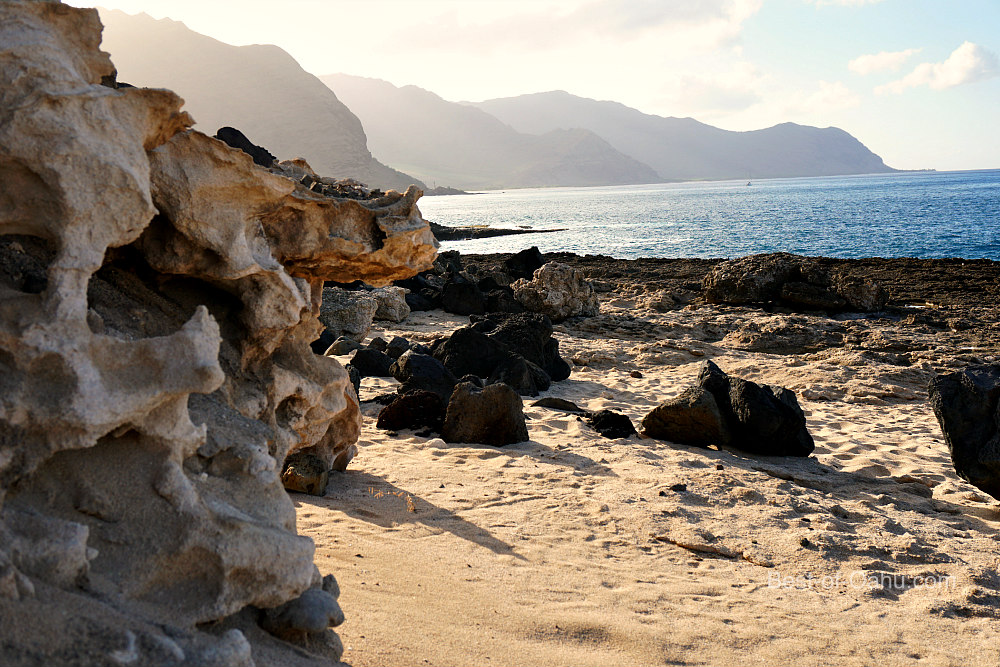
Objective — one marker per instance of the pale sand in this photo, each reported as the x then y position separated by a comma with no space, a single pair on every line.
572,549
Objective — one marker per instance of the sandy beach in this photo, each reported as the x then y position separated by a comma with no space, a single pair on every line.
576,549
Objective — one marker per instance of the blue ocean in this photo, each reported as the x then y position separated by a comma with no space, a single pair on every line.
914,214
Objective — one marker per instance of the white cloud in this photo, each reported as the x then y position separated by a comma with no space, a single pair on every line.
967,64
880,62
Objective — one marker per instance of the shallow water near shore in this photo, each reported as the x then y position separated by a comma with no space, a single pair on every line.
920,214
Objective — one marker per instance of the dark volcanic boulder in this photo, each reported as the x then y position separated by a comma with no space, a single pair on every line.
355,376
236,139
325,340
769,420
308,615
418,301
524,264
461,296
561,404
414,409
552,363
692,418
757,419
524,377
420,371
492,415
372,363
397,346
527,334
502,301
967,406
611,424
468,351
524,333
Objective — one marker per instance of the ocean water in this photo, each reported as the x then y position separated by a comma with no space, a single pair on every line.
921,214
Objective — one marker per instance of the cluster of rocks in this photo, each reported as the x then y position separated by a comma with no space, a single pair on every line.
723,410
794,282
467,386
159,291
523,282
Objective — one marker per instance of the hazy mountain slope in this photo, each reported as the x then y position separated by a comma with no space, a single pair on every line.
258,89
447,143
683,148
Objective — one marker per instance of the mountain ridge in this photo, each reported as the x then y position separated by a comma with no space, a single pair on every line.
259,89
688,149
447,142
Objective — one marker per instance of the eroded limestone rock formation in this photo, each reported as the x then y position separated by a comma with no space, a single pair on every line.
559,291
158,293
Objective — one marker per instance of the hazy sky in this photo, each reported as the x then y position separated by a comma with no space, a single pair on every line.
917,81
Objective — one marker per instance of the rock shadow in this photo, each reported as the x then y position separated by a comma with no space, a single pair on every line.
370,498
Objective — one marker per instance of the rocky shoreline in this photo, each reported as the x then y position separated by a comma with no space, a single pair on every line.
958,298
604,544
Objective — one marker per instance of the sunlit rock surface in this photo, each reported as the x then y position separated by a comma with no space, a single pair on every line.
157,296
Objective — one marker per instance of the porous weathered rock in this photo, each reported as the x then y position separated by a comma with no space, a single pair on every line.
306,473
492,415
157,369
967,406
391,303
347,313
751,279
559,291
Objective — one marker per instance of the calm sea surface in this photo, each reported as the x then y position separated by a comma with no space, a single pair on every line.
928,214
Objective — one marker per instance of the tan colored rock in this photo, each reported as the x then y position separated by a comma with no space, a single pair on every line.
155,371
557,290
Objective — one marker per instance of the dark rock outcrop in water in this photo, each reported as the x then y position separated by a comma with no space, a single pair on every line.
967,406
159,295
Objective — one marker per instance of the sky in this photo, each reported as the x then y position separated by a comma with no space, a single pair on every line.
917,81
